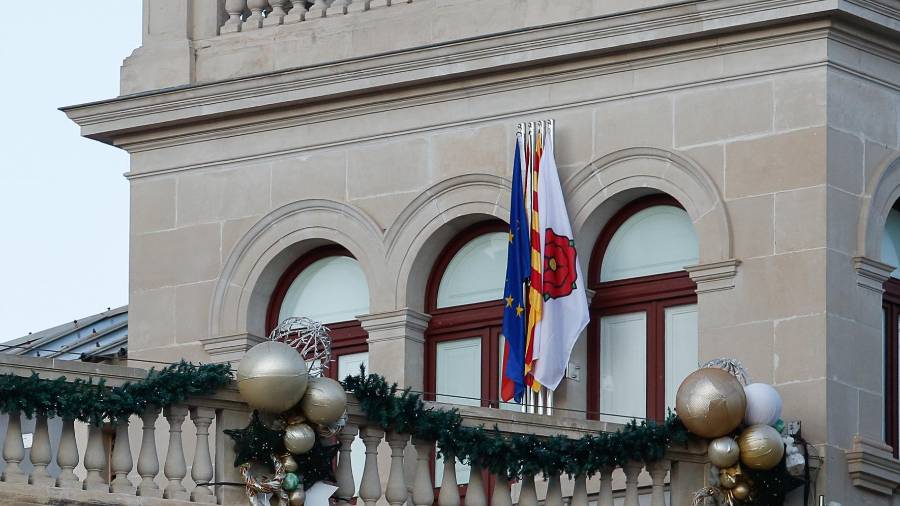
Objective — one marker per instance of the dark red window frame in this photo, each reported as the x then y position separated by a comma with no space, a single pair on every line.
891,307
346,337
652,294
484,319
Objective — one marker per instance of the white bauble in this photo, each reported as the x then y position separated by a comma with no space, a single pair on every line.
763,404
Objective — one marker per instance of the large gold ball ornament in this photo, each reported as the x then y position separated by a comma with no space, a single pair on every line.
710,402
325,401
761,447
290,464
299,438
272,377
723,452
741,491
297,497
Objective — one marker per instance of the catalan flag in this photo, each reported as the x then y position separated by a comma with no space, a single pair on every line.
517,271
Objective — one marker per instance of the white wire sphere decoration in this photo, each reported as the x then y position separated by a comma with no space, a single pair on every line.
272,377
310,338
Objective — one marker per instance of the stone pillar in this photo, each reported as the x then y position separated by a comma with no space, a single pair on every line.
397,346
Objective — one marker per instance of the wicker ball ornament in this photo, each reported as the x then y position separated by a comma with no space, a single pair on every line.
325,401
299,438
272,377
723,452
761,447
711,402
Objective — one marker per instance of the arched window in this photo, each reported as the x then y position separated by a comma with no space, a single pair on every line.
890,254
464,300
329,286
643,335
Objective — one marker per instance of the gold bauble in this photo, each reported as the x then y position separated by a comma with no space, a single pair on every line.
741,491
325,401
272,377
727,481
299,438
710,402
290,464
297,497
723,452
761,447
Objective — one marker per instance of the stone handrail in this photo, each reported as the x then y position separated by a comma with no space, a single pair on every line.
247,15
403,476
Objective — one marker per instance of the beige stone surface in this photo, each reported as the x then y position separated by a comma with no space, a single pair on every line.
800,219
723,112
775,163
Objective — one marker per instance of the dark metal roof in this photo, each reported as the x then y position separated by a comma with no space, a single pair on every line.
96,337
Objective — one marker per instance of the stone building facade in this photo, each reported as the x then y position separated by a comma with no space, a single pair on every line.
384,130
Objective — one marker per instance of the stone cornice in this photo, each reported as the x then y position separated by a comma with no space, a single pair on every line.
402,324
714,277
871,274
872,466
109,121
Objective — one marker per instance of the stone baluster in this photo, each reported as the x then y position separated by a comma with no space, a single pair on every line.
554,492
579,493
202,467
255,20
67,456
423,490
234,9
396,492
297,12
276,17
605,497
475,495
632,471
658,471
359,6
175,468
318,10
14,451
340,7
41,454
501,496
344,473
121,460
95,460
370,487
528,495
449,495
148,461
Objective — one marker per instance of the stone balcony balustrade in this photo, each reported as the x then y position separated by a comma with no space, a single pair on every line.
197,452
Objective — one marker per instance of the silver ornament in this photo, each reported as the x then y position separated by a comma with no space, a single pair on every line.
272,377
723,452
299,438
325,401
310,338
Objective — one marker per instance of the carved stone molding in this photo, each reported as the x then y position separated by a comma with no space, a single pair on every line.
403,324
714,277
872,466
229,348
871,274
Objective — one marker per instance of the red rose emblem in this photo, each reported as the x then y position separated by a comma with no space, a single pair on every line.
559,265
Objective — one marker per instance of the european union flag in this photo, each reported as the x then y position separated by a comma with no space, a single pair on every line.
518,268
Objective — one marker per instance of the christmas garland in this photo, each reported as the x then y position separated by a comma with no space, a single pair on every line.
513,456
95,403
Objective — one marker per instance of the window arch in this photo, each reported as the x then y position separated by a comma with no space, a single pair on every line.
329,286
643,332
890,254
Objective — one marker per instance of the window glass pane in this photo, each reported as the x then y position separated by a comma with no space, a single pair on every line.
682,348
476,273
349,365
333,289
457,381
890,244
656,240
623,367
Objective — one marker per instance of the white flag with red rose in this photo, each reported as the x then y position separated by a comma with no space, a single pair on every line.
565,309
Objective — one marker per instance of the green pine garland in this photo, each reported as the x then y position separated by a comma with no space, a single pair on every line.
95,402
514,456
